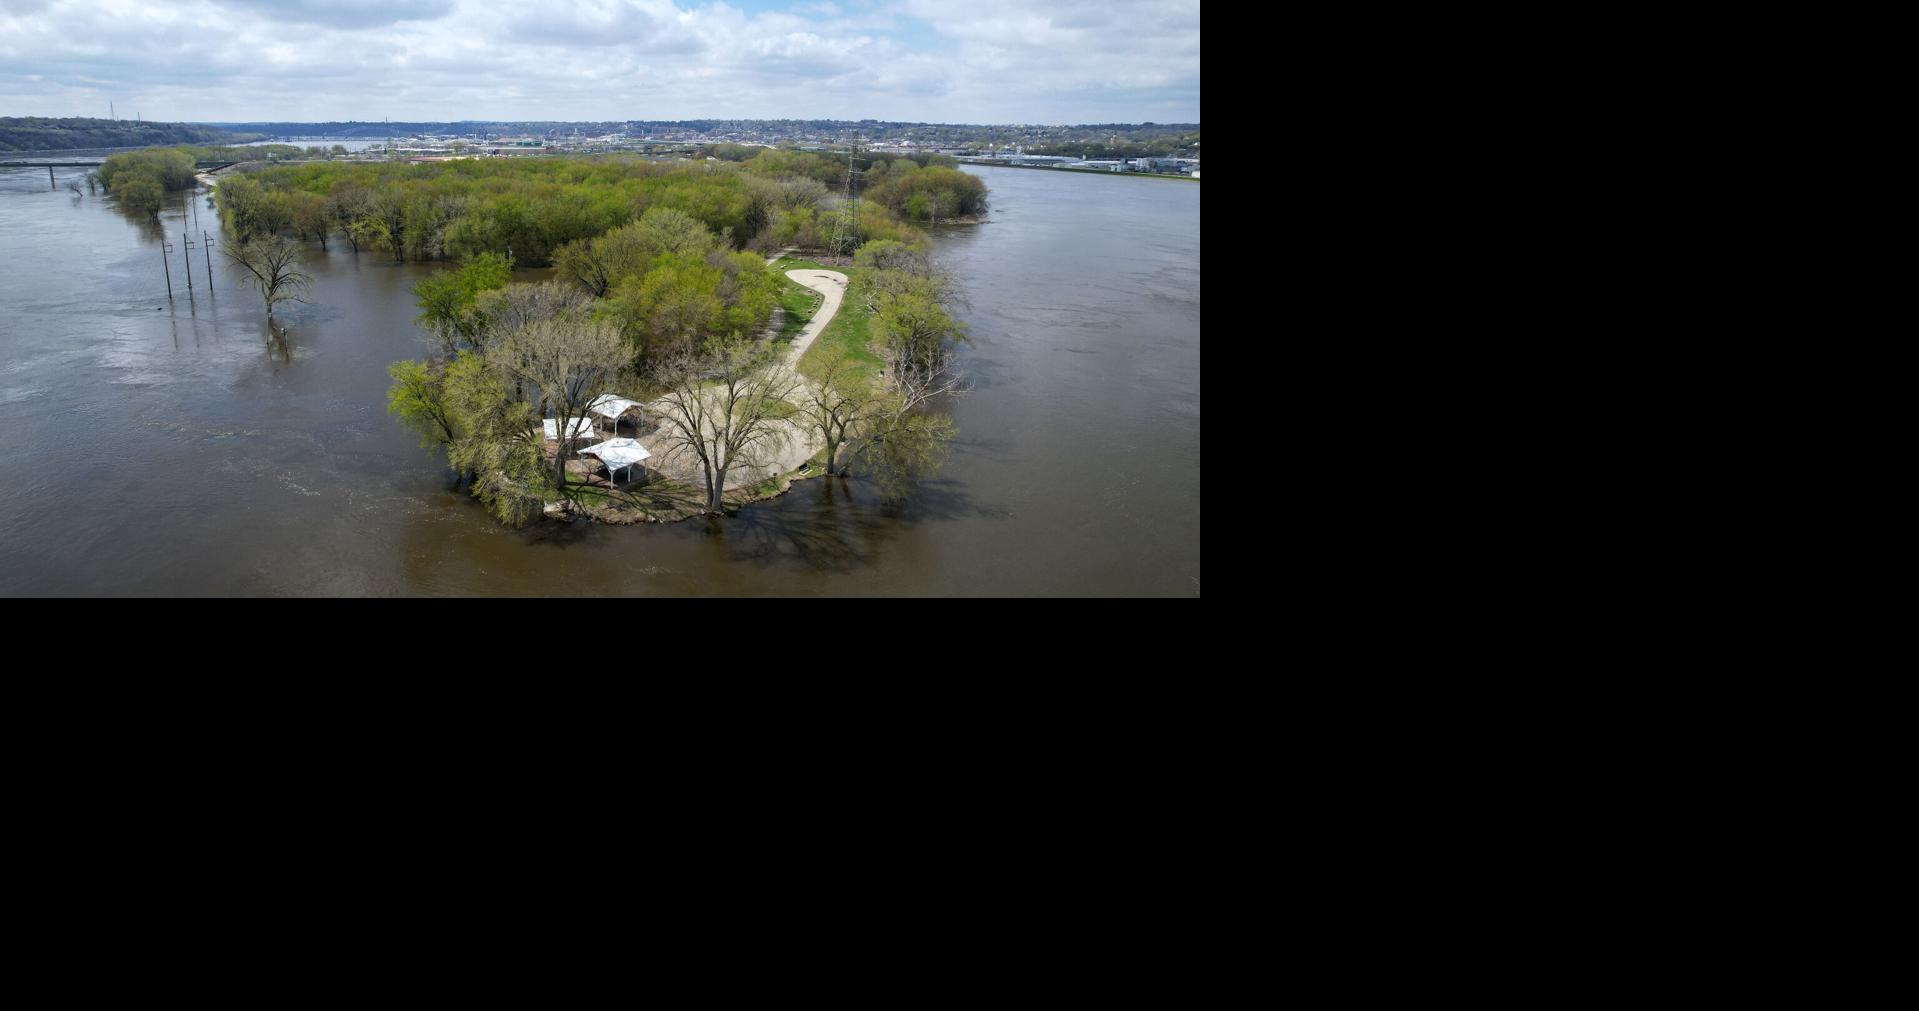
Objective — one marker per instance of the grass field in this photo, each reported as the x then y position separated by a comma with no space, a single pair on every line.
848,329
800,302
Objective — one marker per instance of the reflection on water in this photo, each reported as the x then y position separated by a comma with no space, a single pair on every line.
154,446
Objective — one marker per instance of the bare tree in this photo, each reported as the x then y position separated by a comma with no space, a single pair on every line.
571,360
504,310
727,404
272,265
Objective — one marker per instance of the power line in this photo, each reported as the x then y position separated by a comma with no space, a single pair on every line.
165,248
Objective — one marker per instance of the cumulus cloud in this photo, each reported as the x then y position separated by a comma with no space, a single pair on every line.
933,60
343,13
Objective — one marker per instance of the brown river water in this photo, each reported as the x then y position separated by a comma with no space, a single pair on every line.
150,447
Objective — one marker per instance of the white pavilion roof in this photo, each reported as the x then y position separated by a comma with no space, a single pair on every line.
611,406
581,428
617,453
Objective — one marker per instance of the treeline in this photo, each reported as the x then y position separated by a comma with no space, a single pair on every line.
532,208
142,179
919,188
34,133
932,194
729,152
1182,145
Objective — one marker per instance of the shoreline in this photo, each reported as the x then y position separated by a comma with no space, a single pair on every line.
1083,171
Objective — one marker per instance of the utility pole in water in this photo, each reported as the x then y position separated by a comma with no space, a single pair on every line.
186,262
206,247
165,248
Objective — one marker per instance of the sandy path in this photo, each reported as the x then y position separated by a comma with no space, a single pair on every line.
800,440
831,284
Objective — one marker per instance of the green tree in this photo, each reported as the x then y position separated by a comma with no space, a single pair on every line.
447,299
141,193
902,449
418,396
310,217
345,205
841,403
500,446
386,214
670,308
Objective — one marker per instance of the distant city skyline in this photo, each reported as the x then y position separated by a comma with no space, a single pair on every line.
933,61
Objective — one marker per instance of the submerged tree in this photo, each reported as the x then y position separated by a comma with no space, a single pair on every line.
418,395
141,193
345,206
916,339
272,266
841,403
310,218
904,448
500,444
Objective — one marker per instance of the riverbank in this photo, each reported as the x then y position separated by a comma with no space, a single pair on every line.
1082,171
662,500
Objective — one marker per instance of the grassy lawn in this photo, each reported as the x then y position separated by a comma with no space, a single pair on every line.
800,302
848,330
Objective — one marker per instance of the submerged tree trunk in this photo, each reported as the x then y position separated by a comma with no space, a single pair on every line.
713,492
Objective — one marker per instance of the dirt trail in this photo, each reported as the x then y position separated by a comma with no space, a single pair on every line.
800,440
831,284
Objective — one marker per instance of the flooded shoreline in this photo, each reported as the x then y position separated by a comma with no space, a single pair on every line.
193,457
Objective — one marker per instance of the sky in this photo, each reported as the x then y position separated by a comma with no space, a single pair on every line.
936,61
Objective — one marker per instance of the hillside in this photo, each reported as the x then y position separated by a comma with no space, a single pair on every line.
38,133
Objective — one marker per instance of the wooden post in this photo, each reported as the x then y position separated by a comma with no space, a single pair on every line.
50,181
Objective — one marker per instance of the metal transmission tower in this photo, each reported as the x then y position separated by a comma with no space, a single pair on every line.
846,231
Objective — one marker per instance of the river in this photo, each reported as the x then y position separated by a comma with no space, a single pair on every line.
150,447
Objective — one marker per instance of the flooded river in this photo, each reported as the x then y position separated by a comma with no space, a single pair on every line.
150,446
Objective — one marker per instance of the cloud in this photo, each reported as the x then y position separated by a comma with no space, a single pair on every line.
977,61
343,13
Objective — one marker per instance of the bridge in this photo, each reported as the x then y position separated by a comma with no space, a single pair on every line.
96,161
204,166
